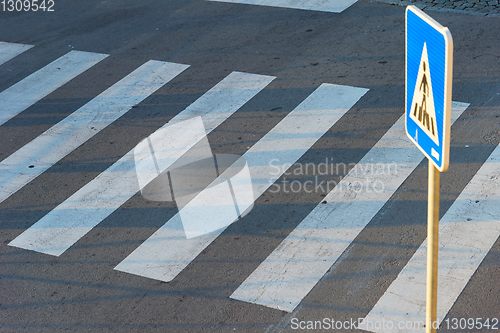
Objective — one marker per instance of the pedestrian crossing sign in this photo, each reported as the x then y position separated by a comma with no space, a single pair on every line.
429,64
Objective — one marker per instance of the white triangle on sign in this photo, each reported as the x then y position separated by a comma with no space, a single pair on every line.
422,106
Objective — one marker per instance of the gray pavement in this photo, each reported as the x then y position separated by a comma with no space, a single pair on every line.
471,7
364,46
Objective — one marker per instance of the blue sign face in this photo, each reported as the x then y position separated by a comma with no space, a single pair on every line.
429,50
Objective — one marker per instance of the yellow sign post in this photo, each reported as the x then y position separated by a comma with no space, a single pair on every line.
431,321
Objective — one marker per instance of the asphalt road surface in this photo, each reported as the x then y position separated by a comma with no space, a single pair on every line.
310,97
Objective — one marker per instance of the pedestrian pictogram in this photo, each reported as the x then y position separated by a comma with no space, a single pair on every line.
422,106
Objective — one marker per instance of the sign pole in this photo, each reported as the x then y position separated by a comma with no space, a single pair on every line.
432,249
429,66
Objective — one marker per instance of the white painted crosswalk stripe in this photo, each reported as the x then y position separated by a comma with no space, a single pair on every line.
333,6
167,252
61,139
10,50
300,261
76,216
467,232
36,86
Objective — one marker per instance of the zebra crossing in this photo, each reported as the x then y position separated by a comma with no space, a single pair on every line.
290,272
466,233
40,154
299,262
85,209
287,141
